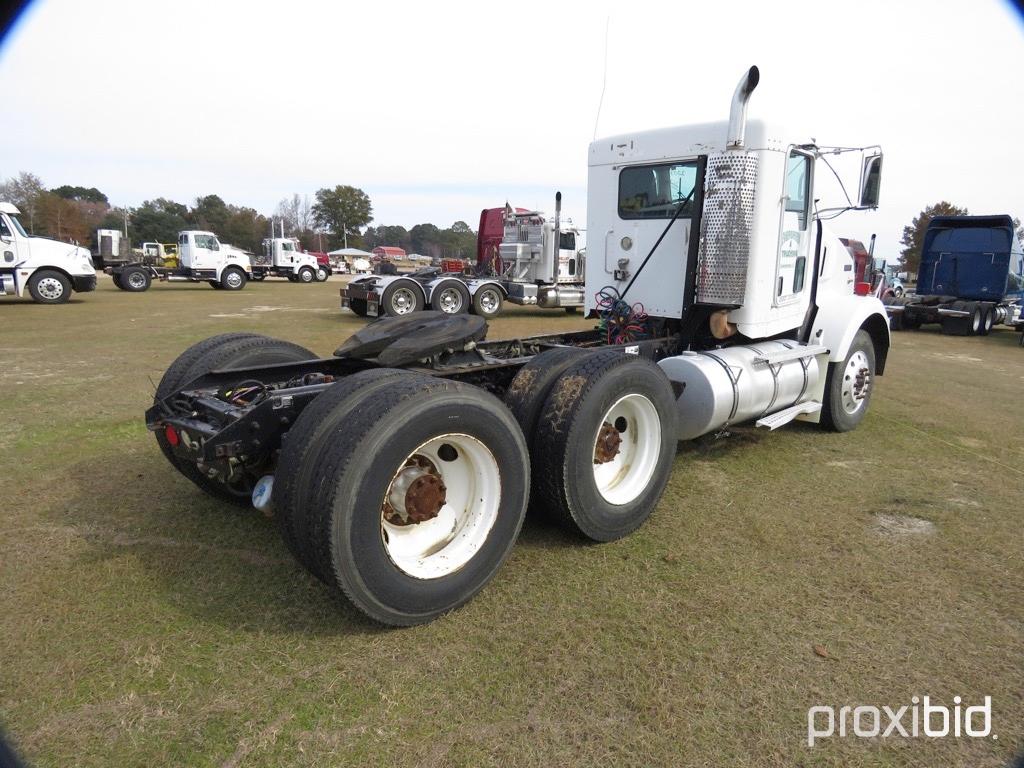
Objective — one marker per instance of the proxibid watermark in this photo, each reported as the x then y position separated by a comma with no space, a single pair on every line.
919,718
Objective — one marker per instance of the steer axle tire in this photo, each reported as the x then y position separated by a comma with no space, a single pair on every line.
404,573
849,385
604,445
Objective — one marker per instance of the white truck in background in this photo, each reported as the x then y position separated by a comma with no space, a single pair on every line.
201,258
283,257
50,270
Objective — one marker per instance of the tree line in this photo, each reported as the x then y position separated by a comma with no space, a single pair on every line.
334,217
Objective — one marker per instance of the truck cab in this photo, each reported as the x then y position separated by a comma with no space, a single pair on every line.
49,270
283,257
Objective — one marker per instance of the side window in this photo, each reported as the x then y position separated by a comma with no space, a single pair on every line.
183,239
567,241
656,191
213,244
5,231
287,246
798,187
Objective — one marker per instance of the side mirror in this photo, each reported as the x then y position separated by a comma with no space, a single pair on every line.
5,239
871,181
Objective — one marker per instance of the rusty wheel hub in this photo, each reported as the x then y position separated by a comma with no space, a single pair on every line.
417,494
607,446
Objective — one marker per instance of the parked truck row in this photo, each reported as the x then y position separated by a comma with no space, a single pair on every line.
400,468
201,257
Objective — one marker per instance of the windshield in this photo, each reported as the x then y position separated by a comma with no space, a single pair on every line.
17,225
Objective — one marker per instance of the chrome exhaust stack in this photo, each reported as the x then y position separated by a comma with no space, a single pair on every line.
738,111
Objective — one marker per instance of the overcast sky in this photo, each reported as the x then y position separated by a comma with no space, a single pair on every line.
439,109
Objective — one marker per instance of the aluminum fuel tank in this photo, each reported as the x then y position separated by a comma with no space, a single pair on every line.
736,384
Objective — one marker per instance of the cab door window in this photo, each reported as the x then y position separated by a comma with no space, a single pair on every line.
794,244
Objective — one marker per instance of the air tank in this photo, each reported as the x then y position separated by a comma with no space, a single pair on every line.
736,384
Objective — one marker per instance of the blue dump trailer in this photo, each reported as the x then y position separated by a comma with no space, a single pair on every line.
971,278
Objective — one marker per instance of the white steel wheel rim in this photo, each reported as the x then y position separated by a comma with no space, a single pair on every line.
322,274
449,301
976,320
233,279
136,279
489,300
402,301
50,288
627,475
854,392
306,276
442,545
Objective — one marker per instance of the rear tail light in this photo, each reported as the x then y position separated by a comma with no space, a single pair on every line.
172,436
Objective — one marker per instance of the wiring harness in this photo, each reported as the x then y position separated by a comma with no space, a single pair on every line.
620,322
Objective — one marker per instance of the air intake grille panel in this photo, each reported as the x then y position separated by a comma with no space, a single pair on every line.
726,228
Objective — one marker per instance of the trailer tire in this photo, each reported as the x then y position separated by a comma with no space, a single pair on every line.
423,425
358,306
136,280
117,280
487,301
293,479
48,286
401,297
233,279
604,445
224,351
306,275
846,398
451,297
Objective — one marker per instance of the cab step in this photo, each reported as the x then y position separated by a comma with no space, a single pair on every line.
783,417
798,352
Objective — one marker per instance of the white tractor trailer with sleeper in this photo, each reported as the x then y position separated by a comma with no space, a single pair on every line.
47,270
400,468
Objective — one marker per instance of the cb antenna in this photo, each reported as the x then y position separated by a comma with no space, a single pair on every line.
604,77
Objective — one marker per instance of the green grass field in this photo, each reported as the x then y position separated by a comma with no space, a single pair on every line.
145,624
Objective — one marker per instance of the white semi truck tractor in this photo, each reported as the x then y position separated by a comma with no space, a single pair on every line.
399,469
201,258
283,257
48,270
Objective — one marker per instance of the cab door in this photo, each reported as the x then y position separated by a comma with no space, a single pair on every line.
207,252
9,255
795,239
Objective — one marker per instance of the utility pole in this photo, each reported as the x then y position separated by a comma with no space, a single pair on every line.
125,223
344,233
